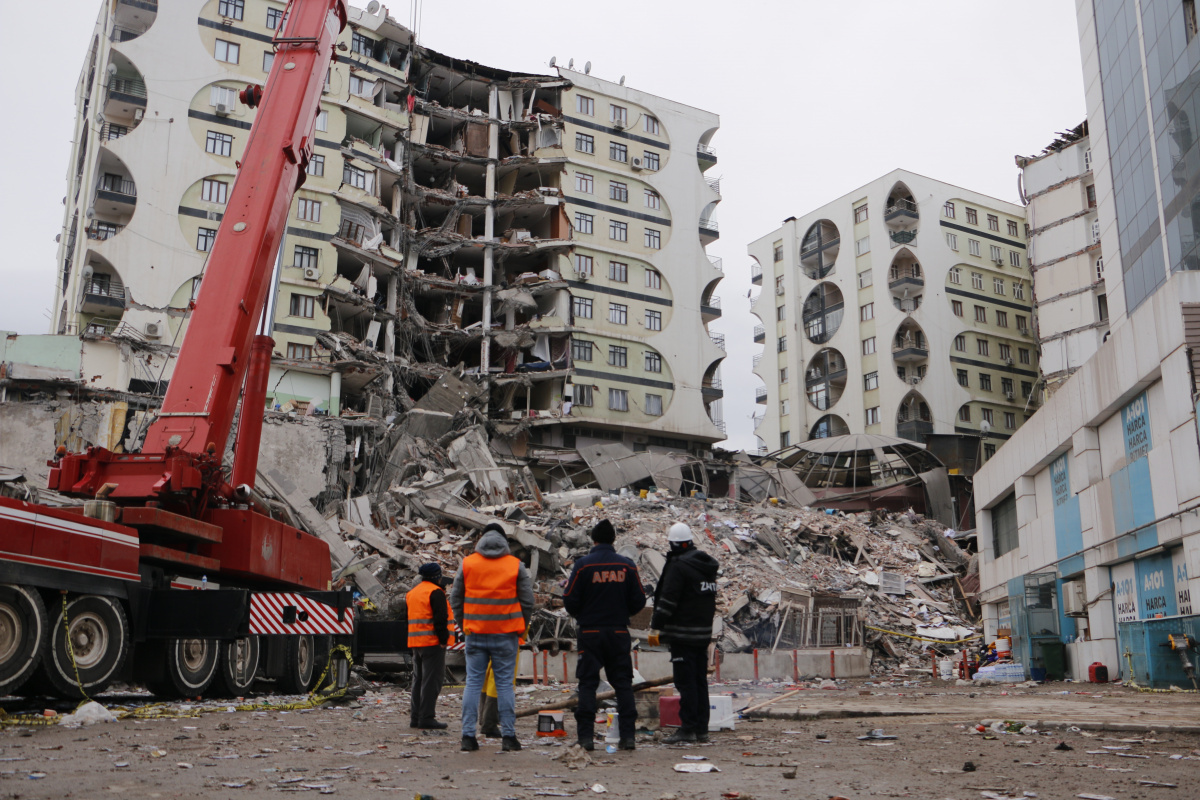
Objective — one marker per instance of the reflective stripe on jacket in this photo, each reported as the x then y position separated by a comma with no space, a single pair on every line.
490,603
421,632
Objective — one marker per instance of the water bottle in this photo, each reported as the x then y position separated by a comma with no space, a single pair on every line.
203,582
611,748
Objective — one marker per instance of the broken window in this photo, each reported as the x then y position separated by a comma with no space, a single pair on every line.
214,191
617,271
948,210
985,382
618,152
582,307
1018,290
581,350
585,105
973,246
585,143
650,124
653,320
308,210
972,216
584,265
352,231
231,8
1014,258
583,182
653,199
653,239
618,231
654,405
650,160
963,378
362,86
302,305
316,166
219,144
785,439
952,241
618,191
229,52
583,222
305,257
618,400
653,279
274,17
205,238
1102,306
363,45
860,213
618,313
960,343
619,115
993,222
1002,319
981,346
653,362
618,356
299,352
957,307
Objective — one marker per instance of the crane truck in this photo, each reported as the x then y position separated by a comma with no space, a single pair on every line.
173,571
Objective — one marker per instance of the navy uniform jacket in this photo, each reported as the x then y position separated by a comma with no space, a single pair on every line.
604,589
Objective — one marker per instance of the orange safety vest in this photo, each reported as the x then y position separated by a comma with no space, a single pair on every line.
420,616
490,602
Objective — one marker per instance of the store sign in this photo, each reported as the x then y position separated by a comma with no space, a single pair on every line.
1183,594
1136,419
1124,578
1060,480
1156,587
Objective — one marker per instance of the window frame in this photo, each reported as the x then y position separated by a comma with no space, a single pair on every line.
585,182
653,278
230,48
618,152
618,231
302,305
582,307
652,239
585,223
618,191
652,199
585,105
653,320
652,362
585,143
581,346
219,144
618,271
238,7
618,399
205,236
618,356
209,185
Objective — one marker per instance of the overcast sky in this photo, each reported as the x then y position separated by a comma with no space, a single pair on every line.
815,99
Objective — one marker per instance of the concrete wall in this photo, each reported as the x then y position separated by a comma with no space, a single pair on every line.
303,448
27,437
848,662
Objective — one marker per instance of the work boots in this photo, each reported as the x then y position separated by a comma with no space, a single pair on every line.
627,743
469,744
510,743
587,744
681,737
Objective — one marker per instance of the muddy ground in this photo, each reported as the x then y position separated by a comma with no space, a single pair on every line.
365,748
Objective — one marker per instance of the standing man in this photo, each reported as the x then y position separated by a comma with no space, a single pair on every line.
493,597
685,601
603,592
429,623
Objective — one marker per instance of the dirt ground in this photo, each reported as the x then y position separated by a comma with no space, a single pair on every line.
365,748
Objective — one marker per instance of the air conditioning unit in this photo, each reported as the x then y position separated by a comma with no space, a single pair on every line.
618,125
635,164
914,380
223,110
1008,362
138,113
312,273
1074,599
779,290
999,262
152,330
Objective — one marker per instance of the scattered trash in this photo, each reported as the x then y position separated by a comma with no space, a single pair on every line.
877,734
969,766
598,788
87,714
1064,746
696,768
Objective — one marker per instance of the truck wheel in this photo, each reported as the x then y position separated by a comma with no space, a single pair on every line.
99,636
299,664
239,665
23,627
191,666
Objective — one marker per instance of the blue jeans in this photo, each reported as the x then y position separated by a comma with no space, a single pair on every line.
501,650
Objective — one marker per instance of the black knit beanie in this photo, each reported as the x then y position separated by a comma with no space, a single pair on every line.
604,533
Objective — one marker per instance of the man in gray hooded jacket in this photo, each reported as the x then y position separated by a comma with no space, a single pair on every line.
492,598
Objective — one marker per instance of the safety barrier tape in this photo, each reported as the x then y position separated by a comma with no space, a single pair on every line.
925,638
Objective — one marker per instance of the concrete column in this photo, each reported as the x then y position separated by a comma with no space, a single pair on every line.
389,337
335,394
489,228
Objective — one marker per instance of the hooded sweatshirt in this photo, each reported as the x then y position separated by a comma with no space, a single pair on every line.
493,545
685,599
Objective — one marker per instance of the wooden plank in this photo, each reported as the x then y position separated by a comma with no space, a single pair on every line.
163,521
169,555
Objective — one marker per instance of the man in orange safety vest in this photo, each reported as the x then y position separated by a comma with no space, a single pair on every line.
429,624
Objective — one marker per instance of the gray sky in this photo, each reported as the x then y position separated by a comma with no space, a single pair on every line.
815,99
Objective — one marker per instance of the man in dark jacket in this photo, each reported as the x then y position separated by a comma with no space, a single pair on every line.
603,592
685,601
429,623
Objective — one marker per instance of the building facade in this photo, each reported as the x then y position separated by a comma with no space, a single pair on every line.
441,226
902,308
1070,297
1089,533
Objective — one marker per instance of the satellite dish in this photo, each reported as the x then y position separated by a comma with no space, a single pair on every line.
372,6
984,427
553,61
91,212
571,64
587,68
622,80
99,118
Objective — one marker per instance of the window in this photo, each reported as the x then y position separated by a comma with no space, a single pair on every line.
960,343
618,191
618,115
976,280
987,415
868,346
872,416
316,166
989,450
860,214
305,257
964,414
363,45
653,320
355,177
229,52
1004,526
997,285
952,241
196,286
1022,323
652,239
205,238
352,231
1012,228
865,312
1010,420
323,121
618,271
957,307
870,381
299,352
1095,231
1102,306
583,182
231,8
618,152
1091,196
993,222
955,275
219,144
1002,319
585,143
780,313
980,314
653,362
1026,389
784,407
583,222
362,87
653,279
585,105
862,246
308,210
778,252
783,375
1018,290
274,17
220,95
995,253
1005,352
1023,355
650,124
785,439
618,231
618,356
302,305
948,210
779,285
652,198
964,379
1014,258
973,246
1006,386
581,350
582,307
985,382
214,191
981,346
584,265
618,400
865,279
650,160
654,405
972,216
781,345
584,395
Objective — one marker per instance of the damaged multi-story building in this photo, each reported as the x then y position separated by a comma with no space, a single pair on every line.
540,236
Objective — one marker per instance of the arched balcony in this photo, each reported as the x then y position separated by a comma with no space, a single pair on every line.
910,352
822,313
901,216
819,249
913,419
825,378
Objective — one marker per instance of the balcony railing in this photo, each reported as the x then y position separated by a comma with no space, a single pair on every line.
714,383
902,237
760,395
812,247
105,288
121,33
103,230
760,333
906,208
704,149
718,339
129,87
756,274
712,301
102,327
709,225
714,184
717,263
117,185
110,131
754,362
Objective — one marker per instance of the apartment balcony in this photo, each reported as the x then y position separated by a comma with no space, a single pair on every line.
123,95
710,308
816,377
101,231
712,389
902,238
915,430
910,353
709,231
103,295
760,395
706,156
120,33
132,18
900,280
900,210
756,274
101,326
718,339
756,360
819,249
111,131
760,334
714,184
116,189
716,263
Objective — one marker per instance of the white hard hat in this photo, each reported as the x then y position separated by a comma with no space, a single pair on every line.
680,533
